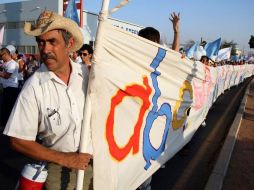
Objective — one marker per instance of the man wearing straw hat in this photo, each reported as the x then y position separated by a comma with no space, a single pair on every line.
51,104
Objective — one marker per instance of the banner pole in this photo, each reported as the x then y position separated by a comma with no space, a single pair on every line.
86,128
105,5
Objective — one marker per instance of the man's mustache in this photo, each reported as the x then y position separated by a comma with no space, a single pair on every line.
47,56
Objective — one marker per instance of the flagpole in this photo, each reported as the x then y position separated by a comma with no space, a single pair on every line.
81,13
86,128
103,16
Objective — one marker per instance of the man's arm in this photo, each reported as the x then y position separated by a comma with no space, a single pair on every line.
5,75
22,66
39,152
175,18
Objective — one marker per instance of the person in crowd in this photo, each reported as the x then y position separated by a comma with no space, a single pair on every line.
51,104
16,57
152,34
31,66
86,53
22,69
205,60
75,57
9,79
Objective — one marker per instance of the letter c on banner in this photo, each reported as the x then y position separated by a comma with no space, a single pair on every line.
177,123
119,153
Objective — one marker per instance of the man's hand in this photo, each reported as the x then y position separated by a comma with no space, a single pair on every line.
175,18
76,160
37,151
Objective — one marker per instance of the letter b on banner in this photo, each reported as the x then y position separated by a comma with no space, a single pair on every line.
149,152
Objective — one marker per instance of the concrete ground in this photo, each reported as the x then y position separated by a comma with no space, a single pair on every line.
240,174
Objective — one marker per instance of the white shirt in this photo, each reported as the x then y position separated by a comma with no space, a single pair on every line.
78,60
48,107
13,68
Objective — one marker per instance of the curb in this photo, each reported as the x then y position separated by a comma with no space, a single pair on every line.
215,181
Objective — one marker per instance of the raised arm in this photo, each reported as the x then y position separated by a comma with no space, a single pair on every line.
175,18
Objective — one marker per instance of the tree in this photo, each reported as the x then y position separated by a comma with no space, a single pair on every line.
251,42
226,44
203,43
188,44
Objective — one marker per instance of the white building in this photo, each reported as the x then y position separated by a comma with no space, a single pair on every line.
14,15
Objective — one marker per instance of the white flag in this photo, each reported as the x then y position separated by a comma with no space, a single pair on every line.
224,54
1,35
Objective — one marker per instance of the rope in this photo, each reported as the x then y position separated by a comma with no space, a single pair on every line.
120,5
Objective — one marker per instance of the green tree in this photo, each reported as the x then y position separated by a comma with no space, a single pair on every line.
188,44
251,42
226,44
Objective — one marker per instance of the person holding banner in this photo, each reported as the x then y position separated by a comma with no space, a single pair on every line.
51,104
205,60
152,34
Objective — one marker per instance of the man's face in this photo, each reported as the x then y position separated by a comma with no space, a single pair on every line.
74,55
205,60
53,50
4,56
14,56
85,56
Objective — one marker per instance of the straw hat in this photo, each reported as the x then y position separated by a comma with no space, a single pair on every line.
49,20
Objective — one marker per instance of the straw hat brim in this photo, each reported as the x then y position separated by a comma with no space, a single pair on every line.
58,23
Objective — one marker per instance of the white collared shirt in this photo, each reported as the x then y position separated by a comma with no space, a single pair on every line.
13,68
49,109
78,60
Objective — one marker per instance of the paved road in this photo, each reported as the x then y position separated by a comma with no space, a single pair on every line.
189,169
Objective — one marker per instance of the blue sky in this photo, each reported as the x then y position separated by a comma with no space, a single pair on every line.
210,19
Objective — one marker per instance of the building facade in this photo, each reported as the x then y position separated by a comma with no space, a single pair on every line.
14,15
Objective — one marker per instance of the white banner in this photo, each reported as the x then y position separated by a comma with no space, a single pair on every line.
146,104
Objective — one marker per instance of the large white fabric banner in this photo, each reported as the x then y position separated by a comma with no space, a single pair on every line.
146,104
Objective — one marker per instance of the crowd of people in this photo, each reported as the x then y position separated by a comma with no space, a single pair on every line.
52,95
14,71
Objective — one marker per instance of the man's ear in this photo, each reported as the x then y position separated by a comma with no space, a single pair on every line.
71,43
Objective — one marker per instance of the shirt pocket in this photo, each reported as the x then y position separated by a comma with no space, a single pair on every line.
56,129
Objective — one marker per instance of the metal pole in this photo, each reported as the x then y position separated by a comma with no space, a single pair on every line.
81,13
